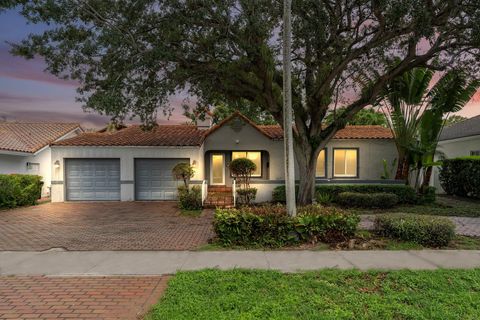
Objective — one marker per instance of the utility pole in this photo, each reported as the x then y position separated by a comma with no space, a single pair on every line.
287,109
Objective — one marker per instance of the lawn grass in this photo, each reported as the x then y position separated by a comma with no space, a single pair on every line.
191,213
444,206
326,294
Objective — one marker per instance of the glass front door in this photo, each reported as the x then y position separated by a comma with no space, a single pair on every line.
217,169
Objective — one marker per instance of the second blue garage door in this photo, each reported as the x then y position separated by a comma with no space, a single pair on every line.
154,179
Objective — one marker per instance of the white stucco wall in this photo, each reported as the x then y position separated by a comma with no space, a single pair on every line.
371,153
18,164
227,138
454,148
127,157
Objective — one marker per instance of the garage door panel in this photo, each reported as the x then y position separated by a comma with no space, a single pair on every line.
93,179
154,179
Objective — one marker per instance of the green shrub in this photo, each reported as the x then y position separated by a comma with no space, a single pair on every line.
324,198
183,171
428,195
190,199
270,226
405,194
461,176
425,230
316,223
246,196
246,227
367,200
19,190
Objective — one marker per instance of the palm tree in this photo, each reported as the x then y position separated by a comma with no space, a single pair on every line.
416,115
450,94
403,106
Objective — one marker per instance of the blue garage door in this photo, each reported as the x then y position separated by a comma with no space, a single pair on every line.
92,179
154,179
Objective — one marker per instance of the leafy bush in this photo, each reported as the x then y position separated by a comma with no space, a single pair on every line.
461,176
324,198
271,226
428,195
425,230
316,223
405,194
246,196
183,171
242,169
190,199
19,190
367,200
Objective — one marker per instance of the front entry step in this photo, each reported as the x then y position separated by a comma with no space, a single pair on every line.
219,197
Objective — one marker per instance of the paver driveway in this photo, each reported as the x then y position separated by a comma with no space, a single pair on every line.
103,226
102,298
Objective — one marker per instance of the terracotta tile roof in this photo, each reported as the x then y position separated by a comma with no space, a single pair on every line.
190,135
31,137
349,132
162,135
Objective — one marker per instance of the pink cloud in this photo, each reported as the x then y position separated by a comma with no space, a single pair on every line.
33,69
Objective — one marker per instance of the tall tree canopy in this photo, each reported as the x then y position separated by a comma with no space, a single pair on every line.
367,116
130,56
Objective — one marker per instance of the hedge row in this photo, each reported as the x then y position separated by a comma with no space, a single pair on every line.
425,230
271,226
19,190
405,194
367,200
461,176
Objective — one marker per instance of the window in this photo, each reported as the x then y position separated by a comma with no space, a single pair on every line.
475,153
255,156
320,171
345,162
33,167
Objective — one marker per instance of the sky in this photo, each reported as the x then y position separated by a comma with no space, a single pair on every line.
28,93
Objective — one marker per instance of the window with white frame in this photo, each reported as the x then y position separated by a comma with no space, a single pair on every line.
345,163
320,171
33,167
475,153
255,156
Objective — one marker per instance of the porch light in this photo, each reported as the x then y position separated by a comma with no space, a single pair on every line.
194,163
56,164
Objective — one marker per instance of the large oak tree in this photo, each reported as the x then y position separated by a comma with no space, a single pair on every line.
130,56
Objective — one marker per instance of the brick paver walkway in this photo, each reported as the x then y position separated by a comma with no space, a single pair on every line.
78,297
103,226
463,225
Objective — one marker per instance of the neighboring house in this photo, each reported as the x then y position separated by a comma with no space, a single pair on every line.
24,147
131,164
458,140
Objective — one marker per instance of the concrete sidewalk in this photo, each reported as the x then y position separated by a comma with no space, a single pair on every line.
60,263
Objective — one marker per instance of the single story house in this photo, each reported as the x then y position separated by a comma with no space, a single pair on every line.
131,164
24,147
458,140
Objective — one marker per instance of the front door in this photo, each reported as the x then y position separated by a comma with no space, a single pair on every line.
217,169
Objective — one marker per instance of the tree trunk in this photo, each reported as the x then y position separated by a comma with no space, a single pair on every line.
307,164
426,178
402,169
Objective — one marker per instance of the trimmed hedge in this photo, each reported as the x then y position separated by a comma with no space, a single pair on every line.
19,190
367,200
405,194
425,230
461,176
271,226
